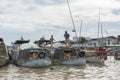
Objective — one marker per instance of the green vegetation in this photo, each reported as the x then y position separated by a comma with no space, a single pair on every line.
82,40
55,63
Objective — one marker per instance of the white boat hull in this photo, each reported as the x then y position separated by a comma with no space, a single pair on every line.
35,63
74,61
94,59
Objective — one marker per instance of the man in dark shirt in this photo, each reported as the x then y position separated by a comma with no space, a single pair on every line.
66,35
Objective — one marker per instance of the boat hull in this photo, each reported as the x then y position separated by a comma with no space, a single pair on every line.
117,56
70,56
4,58
4,61
27,60
94,59
74,61
35,63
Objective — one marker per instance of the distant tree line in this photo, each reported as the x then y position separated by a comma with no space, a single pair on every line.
82,40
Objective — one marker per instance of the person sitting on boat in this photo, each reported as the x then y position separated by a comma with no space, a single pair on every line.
51,40
66,35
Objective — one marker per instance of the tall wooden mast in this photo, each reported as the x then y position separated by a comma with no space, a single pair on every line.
72,20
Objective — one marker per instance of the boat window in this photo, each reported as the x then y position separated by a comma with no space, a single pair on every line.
67,50
33,51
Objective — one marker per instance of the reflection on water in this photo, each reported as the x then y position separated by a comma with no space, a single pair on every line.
110,70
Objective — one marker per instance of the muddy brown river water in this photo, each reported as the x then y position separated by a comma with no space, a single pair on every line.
109,70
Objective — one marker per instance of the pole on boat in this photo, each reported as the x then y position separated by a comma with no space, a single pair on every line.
80,30
98,27
72,20
102,32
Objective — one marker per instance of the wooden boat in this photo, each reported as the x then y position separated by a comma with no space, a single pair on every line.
117,56
69,56
99,55
29,54
115,50
4,58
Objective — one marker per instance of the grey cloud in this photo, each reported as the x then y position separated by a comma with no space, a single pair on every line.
59,1
1,12
116,12
49,26
49,2
59,27
117,0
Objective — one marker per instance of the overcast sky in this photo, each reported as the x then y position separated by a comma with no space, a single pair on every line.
36,18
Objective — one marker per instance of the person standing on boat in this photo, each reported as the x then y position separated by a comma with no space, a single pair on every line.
51,40
66,35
